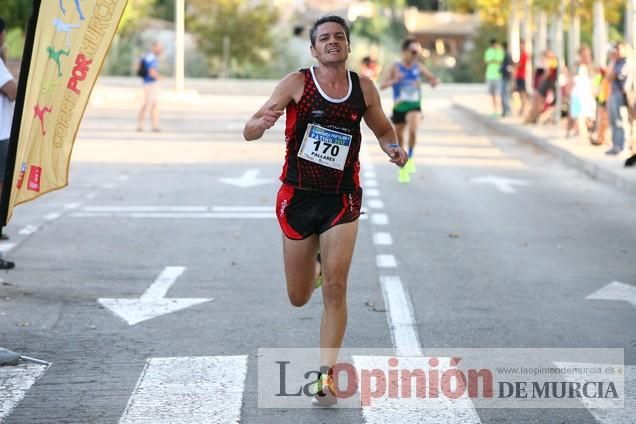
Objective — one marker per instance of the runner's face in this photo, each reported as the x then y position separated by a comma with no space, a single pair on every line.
331,44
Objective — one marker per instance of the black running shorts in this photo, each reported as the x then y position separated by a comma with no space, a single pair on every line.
302,213
399,117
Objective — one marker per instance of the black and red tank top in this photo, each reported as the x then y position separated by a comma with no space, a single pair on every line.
342,115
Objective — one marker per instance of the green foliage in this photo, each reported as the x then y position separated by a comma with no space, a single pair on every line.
470,67
374,29
15,42
247,27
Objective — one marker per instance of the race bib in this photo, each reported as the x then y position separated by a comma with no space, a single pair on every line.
410,93
325,147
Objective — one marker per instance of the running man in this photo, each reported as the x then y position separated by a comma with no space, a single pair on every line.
319,202
406,78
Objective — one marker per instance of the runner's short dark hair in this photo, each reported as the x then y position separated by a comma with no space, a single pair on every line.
331,18
2,25
407,43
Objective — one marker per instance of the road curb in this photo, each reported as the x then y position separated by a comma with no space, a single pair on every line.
589,168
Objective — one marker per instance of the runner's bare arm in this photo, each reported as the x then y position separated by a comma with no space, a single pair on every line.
377,121
286,91
394,76
432,79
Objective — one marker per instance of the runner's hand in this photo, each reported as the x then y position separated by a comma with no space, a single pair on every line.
269,118
397,154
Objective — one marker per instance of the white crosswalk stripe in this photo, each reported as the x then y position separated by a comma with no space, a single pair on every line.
188,390
15,381
610,413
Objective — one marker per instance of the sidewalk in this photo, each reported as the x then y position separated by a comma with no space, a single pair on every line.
574,152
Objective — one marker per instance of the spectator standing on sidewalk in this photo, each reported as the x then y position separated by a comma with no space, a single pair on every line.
507,66
619,74
582,110
8,93
602,90
493,58
148,70
520,77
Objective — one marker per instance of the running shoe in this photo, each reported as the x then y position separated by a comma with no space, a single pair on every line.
325,392
410,166
403,175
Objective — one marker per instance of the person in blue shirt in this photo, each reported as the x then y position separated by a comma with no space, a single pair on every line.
619,75
406,77
149,72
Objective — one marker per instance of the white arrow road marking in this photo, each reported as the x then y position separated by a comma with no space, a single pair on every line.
616,291
503,184
153,302
428,410
207,389
608,410
248,179
15,381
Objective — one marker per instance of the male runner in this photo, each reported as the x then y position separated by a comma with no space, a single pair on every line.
319,202
406,77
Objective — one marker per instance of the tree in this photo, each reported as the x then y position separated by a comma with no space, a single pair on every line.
246,27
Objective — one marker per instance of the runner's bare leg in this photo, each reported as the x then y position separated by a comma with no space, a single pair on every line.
301,268
336,251
413,121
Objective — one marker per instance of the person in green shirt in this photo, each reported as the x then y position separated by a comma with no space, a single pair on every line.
493,58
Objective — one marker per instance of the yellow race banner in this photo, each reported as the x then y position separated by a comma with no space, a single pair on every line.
67,42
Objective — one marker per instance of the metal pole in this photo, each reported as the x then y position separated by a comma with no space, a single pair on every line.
179,58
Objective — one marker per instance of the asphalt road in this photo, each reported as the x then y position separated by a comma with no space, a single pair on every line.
495,244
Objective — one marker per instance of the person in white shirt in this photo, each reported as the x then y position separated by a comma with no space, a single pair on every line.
8,92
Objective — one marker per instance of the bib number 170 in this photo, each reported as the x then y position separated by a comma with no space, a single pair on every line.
333,149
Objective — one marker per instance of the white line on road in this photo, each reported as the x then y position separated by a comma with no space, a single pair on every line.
607,410
504,185
15,381
372,192
385,261
400,316
52,216
91,195
5,247
74,205
369,174
145,209
29,229
616,291
243,209
371,183
108,186
428,410
376,204
187,390
175,215
382,239
379,219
